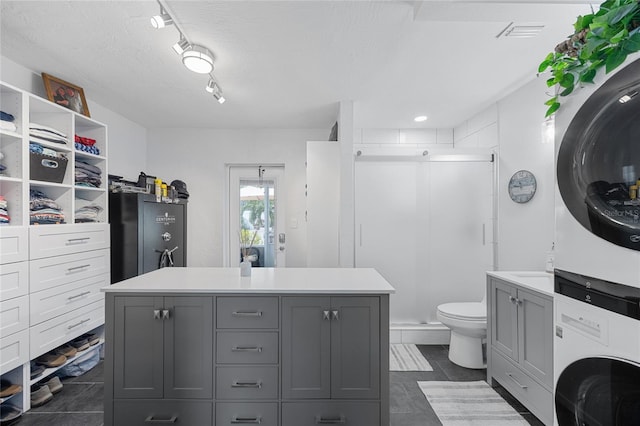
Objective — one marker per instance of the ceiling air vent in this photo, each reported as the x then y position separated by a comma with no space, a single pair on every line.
521,30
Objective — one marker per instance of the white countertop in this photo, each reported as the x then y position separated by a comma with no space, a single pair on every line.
535,280
262,280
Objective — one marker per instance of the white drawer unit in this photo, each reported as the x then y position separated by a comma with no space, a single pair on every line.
56,240
50,303
59,330
14,351
51,272
14,280
14,315
14,244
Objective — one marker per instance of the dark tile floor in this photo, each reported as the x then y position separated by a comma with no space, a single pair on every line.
80,401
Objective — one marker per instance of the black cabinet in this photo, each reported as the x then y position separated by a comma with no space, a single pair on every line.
145,234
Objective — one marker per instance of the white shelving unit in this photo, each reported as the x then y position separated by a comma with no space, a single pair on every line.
37,260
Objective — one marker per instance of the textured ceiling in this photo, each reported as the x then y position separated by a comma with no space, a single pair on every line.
287,64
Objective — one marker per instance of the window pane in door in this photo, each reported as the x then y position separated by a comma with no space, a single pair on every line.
257,222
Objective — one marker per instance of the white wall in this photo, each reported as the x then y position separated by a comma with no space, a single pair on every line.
198,157
525,232
127,140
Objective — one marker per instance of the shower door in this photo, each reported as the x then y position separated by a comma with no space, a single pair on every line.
427,227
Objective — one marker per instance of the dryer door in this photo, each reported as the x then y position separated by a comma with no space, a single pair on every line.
599,160
599,392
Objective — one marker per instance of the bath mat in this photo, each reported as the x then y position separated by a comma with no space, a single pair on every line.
403,357
469,403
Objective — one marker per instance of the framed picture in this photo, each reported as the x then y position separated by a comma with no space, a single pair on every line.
66,94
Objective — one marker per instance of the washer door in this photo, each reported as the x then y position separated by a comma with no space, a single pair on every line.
599,160
599,392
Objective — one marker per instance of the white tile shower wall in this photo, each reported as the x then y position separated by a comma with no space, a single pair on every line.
479,131
443,138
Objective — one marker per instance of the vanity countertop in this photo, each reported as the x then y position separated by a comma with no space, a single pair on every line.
262,280
539,281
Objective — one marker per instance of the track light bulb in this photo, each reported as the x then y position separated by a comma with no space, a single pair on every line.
211,86
161,21
219,97
198,59
181,45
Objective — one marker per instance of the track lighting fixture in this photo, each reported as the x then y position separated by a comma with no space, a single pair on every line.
162,20
198,59
195,57
181,45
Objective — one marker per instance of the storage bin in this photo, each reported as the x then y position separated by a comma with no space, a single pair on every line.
47,168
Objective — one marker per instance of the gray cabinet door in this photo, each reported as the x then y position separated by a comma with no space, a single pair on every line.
138,348
535,335
188,347
306,355
355,348
504,317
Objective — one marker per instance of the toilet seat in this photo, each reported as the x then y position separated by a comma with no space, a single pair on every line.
470,311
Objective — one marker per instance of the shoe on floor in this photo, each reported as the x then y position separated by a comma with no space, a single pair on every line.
80,343
66,350
51,359
7,388
40,395
54,383
9,414
36,370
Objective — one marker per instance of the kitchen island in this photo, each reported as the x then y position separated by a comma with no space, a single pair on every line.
287,346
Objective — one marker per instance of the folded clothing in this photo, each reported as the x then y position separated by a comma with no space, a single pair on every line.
86,148
5,116
88,213
7,125
39,149
84,141
50,130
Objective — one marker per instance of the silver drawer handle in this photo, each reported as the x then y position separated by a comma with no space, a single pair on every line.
78,240
247,313
246,349
330,420
150,419
76,268
238,384
246,420
517,382
78,324
512,299
84,293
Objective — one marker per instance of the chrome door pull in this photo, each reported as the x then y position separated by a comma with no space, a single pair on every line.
156,314
150,419
246,349
512,299
165,314
325,315
246,313
516,381
246,420
330,420
238,384
334,315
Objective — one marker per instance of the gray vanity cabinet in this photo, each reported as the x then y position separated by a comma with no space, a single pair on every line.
330,347
520,337
163,347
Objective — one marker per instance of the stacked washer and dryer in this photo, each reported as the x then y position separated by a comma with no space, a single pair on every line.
597,277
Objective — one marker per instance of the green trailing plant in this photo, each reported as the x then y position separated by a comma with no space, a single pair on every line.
601,39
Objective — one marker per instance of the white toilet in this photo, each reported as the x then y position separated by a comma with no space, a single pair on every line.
468,324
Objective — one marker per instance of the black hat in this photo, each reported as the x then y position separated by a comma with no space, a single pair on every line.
181,188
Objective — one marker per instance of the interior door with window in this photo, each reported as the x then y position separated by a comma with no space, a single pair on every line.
256,216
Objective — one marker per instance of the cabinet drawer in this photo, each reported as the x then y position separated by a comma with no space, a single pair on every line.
54,271
56,240
149,412
14,315
247,312
52,302
529,392
14,351
59,330
330,412
247,382
243,347
239,413
14,244
14,280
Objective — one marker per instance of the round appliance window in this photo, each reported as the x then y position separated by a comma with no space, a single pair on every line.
598,392
599,160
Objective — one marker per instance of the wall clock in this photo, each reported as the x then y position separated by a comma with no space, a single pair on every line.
522,186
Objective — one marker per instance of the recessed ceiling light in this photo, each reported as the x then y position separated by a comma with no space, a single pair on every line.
420,118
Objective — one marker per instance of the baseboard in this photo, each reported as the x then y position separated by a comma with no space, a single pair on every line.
419,334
